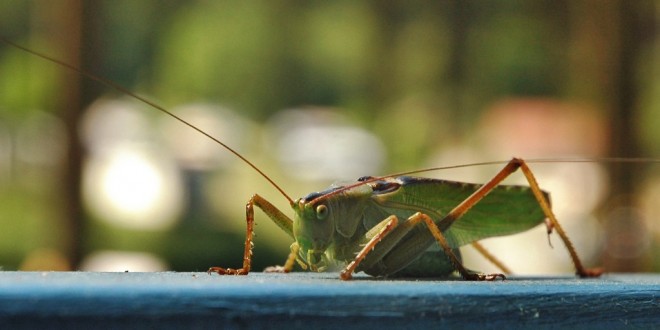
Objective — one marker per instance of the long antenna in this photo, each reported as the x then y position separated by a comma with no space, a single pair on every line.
539,161
494,162
150,103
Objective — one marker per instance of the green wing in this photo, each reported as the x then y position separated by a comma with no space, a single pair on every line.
505,210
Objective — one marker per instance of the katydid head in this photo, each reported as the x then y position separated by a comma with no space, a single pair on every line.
313,229
323,217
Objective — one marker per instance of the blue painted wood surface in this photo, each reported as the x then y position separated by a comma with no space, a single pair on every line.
199,300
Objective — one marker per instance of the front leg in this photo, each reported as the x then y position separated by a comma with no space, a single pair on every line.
276,215
288,264
391,223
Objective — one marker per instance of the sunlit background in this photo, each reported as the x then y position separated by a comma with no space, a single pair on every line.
315,93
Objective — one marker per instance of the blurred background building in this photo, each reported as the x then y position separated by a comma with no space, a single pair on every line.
316,92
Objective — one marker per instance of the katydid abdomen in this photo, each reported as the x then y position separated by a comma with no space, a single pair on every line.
504,211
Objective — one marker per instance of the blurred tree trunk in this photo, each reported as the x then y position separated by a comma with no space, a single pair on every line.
607,39
74,29
389,15
459,18
626,228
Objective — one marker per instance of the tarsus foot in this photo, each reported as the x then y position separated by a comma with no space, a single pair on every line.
591,272
483,277
227,271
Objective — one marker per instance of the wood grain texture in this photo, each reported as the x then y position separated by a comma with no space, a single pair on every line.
199,300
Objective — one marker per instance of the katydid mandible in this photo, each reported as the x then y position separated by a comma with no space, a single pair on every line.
394,225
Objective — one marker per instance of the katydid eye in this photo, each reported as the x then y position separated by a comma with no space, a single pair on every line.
321,212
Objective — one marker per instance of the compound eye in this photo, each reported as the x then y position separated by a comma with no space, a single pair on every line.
322,212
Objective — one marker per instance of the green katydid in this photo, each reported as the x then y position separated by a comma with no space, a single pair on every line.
388,225
393,225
